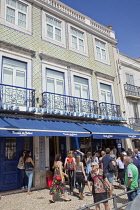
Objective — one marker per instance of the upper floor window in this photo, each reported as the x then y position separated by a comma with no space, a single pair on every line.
129,79
53,27
77,39
16,13
55,81
106,93
14,72
81,87
100,49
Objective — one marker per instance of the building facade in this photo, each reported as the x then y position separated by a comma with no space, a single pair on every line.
129,80
58,86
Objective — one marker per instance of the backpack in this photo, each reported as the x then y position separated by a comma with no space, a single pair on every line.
112,168
70,164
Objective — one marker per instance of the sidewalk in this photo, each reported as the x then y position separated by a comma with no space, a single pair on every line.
39,200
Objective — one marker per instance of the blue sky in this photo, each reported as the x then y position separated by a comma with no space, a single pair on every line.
124,15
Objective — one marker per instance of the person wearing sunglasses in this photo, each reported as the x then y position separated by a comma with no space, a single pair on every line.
100,186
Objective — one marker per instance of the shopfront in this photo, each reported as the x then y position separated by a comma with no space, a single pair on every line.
10,151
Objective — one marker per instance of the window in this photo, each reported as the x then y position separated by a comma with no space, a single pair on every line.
100,49
10,148
55,81
106,93
77,38
14,74
81,87
16,13
129,79
53,27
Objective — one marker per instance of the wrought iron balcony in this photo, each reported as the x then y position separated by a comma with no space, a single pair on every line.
109,110
17,96
134,123
68,104
132,91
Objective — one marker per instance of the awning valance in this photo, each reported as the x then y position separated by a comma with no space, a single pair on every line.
101,131
15,127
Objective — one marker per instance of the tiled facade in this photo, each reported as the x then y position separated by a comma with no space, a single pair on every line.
30,46
35,43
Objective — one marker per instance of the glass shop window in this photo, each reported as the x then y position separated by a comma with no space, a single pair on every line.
10,149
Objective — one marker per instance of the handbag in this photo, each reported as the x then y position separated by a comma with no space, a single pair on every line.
58,177
107,188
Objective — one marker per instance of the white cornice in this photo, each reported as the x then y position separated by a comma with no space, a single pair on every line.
106,76
129,62
44,5
16,48
63,62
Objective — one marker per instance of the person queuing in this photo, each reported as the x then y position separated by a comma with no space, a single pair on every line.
80,176
58,186
29,169
131,178
69,167
100,159
121,172
105,165
89,160
23,176
99,186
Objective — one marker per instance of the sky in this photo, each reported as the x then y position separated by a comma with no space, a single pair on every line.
123,15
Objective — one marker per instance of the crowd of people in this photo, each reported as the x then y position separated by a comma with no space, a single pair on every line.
98,170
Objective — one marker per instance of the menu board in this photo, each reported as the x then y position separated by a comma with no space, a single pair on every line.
42,157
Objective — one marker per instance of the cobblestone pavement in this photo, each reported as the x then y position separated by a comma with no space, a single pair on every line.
39,200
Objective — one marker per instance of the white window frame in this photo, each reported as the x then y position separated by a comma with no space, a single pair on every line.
77,73
15,70
55,81
22,58
81,86
3,21
61,43
85,52
129,78
106,82
106,61
55,67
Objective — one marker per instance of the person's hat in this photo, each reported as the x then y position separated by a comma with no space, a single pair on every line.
94,164
124,153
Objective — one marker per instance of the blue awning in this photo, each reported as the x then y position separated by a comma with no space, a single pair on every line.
15,127
101,131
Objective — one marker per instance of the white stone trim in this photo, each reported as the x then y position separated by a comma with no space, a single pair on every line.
3,21
53,41
85,52
20,57
107,61
54,66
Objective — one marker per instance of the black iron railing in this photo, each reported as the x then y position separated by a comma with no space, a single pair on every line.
132,90
17,96
108,109
134,123
67,103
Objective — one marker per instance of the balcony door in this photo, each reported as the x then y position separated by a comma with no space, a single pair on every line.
106,96
129,79
55,87
14,80
81,91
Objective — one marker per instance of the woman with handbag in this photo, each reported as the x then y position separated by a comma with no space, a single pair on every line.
29,169
100,186
58,187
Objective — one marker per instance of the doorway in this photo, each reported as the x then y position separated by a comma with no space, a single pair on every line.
10,151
